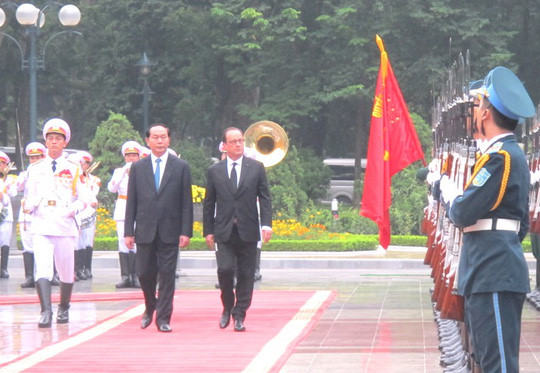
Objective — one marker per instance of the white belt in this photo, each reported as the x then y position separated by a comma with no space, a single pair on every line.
494,225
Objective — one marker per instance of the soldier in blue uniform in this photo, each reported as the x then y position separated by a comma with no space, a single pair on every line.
493,212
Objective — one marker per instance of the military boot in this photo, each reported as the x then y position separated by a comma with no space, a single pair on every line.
43,288
28,259
4,257
132,271
79,265
63,307
124,271
88,253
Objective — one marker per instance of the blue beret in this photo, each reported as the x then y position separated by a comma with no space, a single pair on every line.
507,94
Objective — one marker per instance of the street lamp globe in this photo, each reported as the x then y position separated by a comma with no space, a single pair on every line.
27,14
69,15
2,17
145,65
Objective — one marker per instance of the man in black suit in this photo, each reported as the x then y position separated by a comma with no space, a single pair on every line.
159,218
231,223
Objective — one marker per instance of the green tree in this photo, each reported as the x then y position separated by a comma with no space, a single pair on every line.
106,147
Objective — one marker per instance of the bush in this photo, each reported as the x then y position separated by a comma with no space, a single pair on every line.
300,177
106,147
198,158
353,243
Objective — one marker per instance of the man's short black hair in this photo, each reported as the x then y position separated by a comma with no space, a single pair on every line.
157,125
227,130
501,120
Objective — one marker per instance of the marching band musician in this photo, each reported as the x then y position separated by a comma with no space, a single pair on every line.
131,151
35,151
493,212
8,190
55,195
85,248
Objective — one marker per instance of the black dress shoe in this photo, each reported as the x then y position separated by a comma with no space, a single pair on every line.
146,321
165,328
45,320
225,319
239,325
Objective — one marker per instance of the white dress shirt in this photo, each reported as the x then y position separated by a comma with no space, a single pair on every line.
161,165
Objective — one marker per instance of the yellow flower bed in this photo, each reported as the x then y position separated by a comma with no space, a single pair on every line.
289,228
198,193
105,225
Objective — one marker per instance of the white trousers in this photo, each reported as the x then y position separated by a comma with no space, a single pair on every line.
121,242
5,233
26,237
86,237
53,251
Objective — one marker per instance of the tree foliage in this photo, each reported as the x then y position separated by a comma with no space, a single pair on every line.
106,147
309,65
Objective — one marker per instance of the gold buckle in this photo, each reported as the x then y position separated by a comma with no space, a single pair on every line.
51,203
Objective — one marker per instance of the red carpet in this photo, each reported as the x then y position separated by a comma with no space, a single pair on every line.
275,323
77,297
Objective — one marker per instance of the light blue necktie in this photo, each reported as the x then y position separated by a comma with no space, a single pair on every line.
156,174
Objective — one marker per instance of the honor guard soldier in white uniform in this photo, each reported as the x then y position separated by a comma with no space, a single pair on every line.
35,151
493,276
87,220
119,183
8,190
55,195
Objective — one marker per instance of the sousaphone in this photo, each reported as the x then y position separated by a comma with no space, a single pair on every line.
268,141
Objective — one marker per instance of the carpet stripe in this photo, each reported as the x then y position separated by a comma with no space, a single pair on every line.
277,347
57,348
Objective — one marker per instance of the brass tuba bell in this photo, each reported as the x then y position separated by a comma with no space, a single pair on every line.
268,141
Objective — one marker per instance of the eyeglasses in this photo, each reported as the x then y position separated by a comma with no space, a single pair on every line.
240,141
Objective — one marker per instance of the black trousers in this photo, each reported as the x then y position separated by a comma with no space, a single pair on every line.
494,321
157,261
240,255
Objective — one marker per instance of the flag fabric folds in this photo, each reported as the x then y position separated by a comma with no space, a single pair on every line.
393,145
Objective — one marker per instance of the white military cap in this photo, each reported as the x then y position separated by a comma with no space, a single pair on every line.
4,157
131,147
35,148
57,125
84,155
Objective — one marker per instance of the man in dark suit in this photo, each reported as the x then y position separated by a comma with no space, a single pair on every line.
159,218
231,223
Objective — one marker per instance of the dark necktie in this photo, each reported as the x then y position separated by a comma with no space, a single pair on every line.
156,174
234,177
54,165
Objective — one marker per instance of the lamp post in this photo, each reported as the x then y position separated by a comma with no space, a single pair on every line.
31,19
145,66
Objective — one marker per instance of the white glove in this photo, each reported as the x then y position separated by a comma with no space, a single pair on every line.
449,190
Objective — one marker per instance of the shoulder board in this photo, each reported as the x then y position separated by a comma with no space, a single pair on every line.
76,164
36,163
495,147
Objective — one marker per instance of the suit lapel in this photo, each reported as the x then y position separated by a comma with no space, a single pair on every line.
245,169
224,174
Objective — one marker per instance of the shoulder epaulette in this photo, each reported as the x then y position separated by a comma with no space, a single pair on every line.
495,148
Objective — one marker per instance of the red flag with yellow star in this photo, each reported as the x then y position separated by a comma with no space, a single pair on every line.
393,145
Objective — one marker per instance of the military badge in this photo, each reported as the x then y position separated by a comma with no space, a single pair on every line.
481,177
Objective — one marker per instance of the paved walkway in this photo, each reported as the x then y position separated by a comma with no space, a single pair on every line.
380,320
